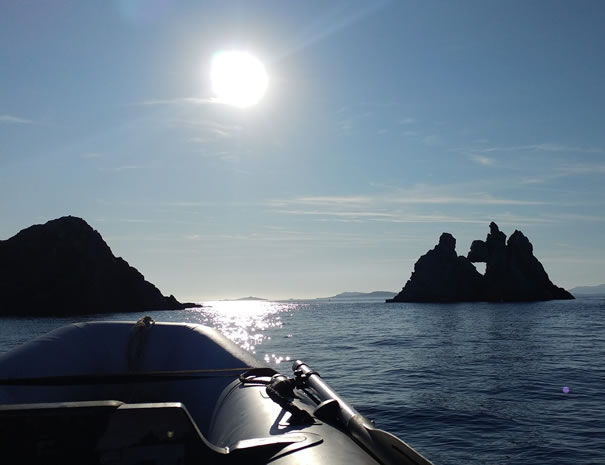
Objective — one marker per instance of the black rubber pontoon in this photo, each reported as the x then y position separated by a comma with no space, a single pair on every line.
114,392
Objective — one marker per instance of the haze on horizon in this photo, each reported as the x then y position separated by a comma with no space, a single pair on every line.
382,125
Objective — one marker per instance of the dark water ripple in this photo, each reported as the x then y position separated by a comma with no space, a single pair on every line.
464,383
472,383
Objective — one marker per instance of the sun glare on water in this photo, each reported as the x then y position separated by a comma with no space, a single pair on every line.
238,78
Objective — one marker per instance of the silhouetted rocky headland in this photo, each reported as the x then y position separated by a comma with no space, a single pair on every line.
64,267
512,273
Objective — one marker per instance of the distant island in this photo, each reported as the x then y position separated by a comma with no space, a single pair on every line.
360,295
513,273
244,299
589,290
64,267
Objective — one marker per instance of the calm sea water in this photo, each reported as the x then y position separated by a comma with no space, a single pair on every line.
463,383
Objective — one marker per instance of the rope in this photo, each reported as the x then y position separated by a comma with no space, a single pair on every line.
121,378
253,376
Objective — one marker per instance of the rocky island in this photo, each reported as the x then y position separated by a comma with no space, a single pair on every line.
64,267
512,274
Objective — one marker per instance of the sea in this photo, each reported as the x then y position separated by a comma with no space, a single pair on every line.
469,383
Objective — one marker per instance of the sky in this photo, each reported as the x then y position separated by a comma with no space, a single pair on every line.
384,124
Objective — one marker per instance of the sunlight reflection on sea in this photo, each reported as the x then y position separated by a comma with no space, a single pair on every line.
245,322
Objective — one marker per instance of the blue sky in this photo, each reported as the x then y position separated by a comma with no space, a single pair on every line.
384,125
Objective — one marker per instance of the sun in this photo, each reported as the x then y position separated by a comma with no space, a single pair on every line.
238,78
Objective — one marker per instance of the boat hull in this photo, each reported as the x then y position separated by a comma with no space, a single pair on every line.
118,392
